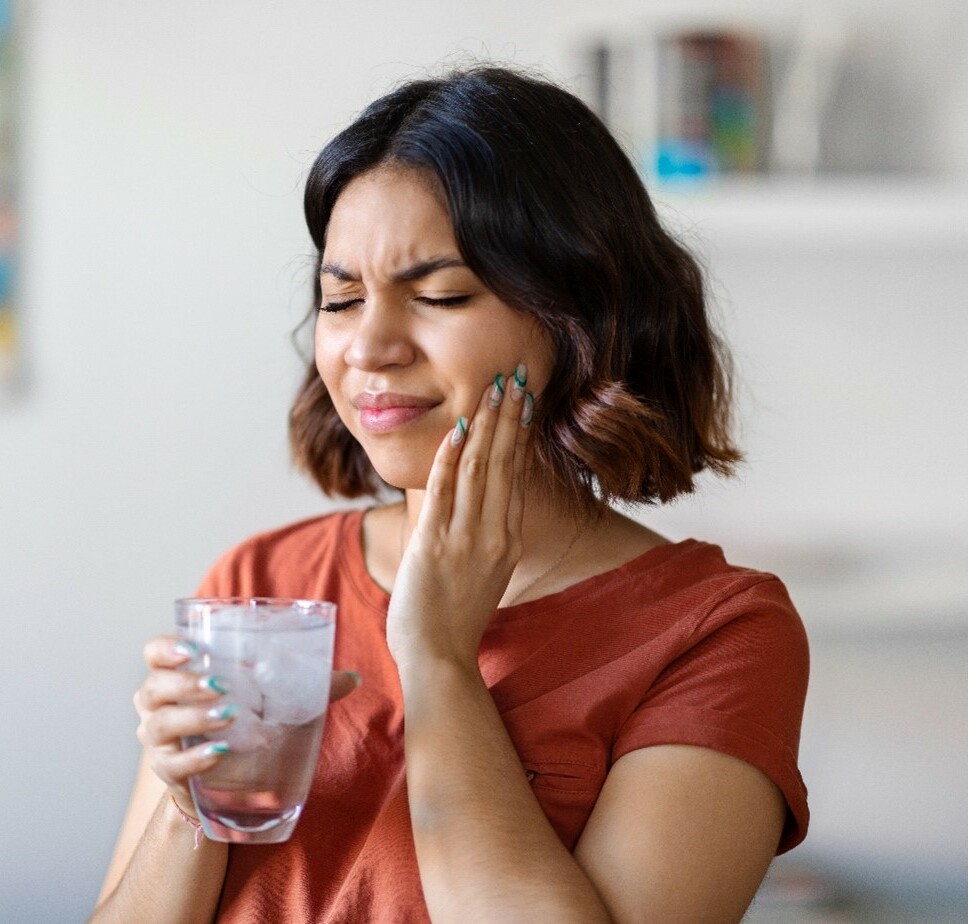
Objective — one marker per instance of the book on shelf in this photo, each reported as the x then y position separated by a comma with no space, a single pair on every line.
712,104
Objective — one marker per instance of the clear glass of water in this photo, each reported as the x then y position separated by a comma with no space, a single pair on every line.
276,656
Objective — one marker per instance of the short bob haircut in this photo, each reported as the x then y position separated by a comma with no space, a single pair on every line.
552,217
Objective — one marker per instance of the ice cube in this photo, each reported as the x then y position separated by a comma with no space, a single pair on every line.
243,686
231,642
294,683
247,732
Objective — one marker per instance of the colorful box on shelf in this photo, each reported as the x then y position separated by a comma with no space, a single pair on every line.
712,104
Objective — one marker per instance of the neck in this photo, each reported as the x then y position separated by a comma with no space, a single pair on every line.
547,529
543,515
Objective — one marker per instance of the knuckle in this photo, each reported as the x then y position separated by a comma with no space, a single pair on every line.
439,490
154,727
160,769
474,467
147,696
496,547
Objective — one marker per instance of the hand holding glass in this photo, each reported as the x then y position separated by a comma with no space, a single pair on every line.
275,657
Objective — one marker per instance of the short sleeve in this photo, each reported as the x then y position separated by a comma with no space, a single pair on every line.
738,687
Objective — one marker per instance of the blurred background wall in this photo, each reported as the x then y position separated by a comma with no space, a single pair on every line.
164,263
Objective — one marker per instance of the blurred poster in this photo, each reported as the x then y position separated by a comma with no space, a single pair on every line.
9,335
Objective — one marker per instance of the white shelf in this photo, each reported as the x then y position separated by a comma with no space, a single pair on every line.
858,213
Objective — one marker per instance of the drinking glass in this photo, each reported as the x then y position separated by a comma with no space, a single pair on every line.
275,656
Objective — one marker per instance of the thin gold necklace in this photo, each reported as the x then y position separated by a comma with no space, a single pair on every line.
547,571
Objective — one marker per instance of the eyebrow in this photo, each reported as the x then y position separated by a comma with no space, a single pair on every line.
417,271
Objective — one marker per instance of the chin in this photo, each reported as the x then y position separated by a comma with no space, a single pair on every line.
401,475
403,462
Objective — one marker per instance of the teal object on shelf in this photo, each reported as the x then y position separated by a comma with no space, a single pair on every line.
683,159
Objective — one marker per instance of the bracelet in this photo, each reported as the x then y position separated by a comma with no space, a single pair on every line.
194,822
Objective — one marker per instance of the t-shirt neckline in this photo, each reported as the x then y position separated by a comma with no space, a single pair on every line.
371,592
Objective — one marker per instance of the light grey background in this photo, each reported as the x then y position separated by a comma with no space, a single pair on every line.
165,264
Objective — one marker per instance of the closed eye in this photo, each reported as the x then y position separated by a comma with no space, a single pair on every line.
448,302
339,306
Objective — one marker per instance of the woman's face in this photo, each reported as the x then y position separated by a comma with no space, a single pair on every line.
408,337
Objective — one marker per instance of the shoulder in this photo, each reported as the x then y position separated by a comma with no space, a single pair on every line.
732,674
729,613
690,589
750,611
277,562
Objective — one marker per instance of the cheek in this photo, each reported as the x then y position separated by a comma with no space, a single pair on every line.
330,368
326,358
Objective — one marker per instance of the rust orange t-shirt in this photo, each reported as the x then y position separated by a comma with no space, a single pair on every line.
675,646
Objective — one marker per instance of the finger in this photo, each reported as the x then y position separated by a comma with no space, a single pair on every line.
169,651
164,687
504,450
438,501
523,441
169,724
474,460
344,683
175,766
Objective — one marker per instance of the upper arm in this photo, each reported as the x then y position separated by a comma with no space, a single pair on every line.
148,790
681,833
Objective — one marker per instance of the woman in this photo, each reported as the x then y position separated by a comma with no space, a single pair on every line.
563,716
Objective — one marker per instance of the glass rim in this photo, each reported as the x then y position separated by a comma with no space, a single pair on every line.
254,602
315,613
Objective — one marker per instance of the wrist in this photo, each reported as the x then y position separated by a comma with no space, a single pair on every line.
189,819
427,669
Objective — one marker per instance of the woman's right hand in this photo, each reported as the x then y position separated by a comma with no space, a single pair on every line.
174,703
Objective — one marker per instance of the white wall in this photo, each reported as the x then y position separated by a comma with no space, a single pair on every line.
164,266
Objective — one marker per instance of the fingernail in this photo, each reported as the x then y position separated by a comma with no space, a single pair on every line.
184,648
216,747
357,679
520,380
223,713
497,392
215,683
460,431
527,410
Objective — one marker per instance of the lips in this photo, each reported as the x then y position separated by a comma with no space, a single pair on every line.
381,412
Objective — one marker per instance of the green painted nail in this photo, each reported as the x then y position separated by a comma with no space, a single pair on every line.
460,431
216,683
520,380
222,713
216,747
357,679
185,648
527,410
497,393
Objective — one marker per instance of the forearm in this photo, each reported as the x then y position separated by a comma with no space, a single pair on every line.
167,881
485,849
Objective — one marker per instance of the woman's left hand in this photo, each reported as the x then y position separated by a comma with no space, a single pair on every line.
467,538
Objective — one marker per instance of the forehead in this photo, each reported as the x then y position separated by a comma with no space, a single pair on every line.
389,215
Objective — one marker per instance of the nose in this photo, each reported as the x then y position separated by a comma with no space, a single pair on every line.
382,337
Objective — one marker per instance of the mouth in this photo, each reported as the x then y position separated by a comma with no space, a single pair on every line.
385,411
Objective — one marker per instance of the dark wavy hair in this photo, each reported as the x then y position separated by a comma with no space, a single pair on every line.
552,217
